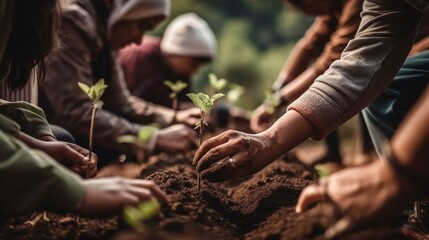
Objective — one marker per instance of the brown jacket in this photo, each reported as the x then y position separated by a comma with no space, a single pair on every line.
325,40
85,57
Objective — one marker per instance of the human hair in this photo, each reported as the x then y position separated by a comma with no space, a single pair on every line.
33,36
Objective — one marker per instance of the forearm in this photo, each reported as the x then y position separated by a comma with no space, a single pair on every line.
286,133
411,141
298,60
147,112
366,67
293,90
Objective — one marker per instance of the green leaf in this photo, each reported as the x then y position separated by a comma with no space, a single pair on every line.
217,84
176,87
272,101
149,209
132,216
85,88
197,125
235,93
217,96
127,139
146,133
99,89
196,100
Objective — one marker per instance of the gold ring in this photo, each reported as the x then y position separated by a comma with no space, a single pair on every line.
232,162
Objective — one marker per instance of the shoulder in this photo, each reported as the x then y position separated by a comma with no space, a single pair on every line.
149,48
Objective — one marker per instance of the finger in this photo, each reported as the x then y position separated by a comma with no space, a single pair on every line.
72,156
311,194
224,170
214,155
154,189
142,193
209,144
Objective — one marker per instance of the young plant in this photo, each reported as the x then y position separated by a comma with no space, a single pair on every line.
140,141
175,88
145,211
94,93
205,103
217,84
272,101
234,93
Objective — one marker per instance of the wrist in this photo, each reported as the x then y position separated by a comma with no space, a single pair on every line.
404,172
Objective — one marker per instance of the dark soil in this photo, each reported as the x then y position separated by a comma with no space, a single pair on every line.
258,207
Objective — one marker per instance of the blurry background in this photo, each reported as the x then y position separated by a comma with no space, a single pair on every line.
254,37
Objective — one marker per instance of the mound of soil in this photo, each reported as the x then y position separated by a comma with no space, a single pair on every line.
261,206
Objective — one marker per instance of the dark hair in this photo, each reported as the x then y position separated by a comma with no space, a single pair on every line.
32,38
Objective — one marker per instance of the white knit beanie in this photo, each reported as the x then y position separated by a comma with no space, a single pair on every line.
137,9
189,35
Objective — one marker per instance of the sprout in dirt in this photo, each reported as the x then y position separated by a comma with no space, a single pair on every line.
94,93
140,141
234,93
216,83
205,103
272,101
145,211
175,88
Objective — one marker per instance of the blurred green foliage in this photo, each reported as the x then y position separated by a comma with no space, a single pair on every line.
255,37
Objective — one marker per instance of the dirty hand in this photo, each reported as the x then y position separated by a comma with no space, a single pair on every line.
261,119
363,195
189,116
233,154
71,156
106,197
176,138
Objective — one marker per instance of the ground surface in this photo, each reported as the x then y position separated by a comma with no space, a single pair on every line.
257,207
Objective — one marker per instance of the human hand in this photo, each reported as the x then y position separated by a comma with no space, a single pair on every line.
233,154
108,196
363,195
71,156
176,138
190,116
261,119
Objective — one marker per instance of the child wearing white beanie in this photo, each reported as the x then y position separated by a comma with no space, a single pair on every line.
189,35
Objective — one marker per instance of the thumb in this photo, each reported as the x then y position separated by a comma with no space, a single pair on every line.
73,157
310,195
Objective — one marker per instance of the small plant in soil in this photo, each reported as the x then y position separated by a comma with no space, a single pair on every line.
140,141
205,103
94,93
175,88
136,216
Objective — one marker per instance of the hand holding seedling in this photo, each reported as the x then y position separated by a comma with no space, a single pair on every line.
205,104
69,155
94,93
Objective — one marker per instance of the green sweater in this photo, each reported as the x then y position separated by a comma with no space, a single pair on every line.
30,179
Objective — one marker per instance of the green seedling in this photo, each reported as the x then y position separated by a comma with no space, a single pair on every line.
205,103
140,141
175,88
234,93
272,101
145,211
217,84
94,93
322,170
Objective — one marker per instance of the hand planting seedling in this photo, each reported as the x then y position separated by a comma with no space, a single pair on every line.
175,88
135,216
205,104
140,141
94,93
